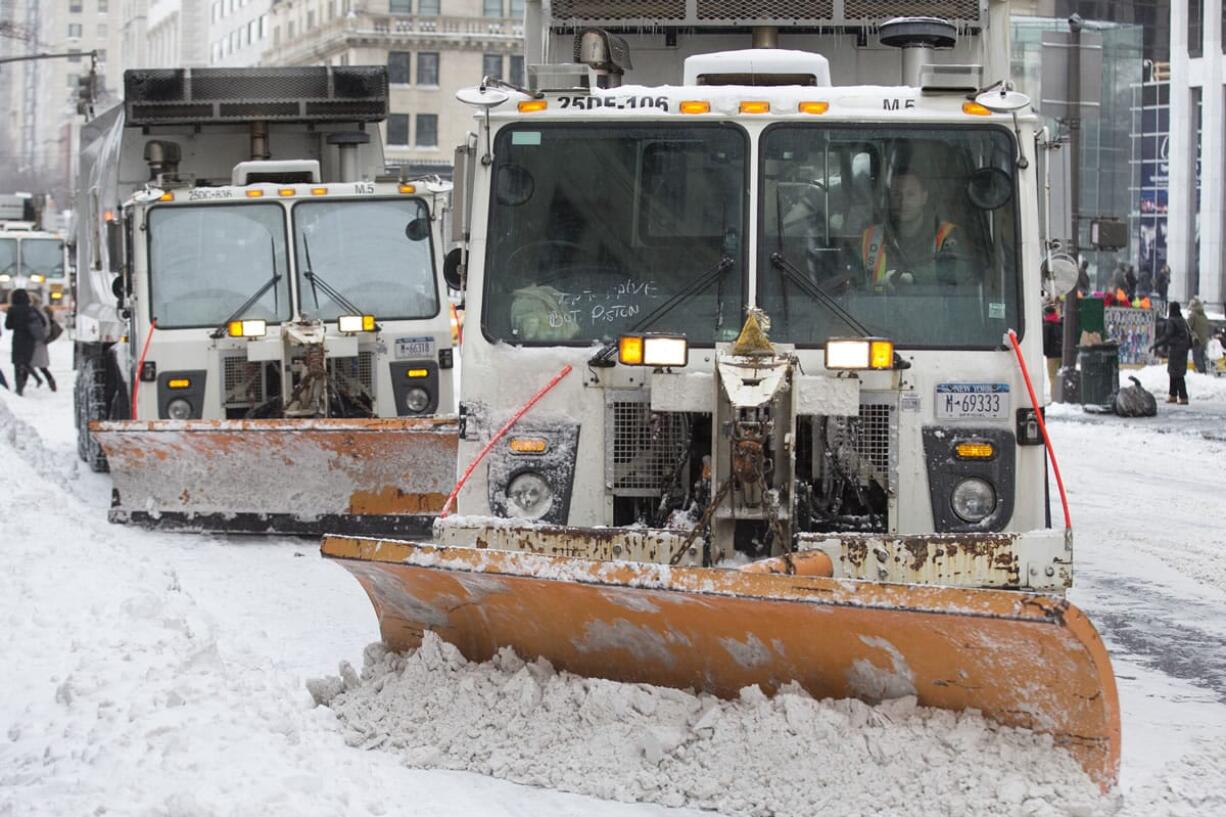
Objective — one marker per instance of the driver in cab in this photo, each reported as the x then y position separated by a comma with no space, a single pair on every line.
915,246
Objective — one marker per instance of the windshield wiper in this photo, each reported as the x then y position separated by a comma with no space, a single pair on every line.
604,358
318,283
220,331
791,273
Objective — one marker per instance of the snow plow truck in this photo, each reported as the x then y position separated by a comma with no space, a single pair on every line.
263,338
747,396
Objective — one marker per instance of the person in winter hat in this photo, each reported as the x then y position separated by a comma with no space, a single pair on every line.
20,319
1198,322
1176,337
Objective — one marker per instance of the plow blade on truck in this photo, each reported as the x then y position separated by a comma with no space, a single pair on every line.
1022,659
378,476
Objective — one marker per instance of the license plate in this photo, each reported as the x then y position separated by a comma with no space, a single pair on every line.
978,401
414,347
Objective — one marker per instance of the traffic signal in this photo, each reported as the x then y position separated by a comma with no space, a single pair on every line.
85,93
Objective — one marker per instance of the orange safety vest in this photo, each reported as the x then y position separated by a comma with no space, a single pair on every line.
872,249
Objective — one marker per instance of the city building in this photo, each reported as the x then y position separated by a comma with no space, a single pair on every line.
1197,187
40,97
238,32
429,55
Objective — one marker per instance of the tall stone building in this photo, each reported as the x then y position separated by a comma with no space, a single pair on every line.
431,50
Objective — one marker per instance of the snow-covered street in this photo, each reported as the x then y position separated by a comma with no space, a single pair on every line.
147,673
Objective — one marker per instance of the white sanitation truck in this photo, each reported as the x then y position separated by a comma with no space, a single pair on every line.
263,332
772,334
33,256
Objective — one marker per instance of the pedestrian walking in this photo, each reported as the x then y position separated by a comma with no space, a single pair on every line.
1163,281
1198,322
3,381
1176,338
1053,341
28,329
40,360
1130,282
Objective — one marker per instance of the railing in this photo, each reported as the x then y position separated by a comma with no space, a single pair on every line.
309,46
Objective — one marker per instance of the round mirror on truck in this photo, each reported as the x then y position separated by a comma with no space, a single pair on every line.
451,269
989,188
418,229
1059,275
513,185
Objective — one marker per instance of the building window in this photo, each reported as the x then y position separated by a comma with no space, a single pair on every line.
74,6
103,6
261,26
517,9
1196,25
74,30
491,8
517,70
310,19
398,129
427,130
101,30
101,55
289,32
427,68
398,67
491,66
427,8
400,6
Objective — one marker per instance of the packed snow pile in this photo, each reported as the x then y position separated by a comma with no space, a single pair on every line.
1201,387
787,755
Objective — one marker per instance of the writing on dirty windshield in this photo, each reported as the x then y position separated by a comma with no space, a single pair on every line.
595,232
543,313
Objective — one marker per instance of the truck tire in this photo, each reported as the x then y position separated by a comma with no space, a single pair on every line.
90,400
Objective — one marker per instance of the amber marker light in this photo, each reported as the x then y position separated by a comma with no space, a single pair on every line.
319,191
975,109
166,197
755,106
286,191
630,350
179,383
815,108
975,450
881,354
694,106
407,188
533,105
255,194
528,445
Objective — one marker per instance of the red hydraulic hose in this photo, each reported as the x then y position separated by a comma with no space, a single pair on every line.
532,401
1038,414
140,366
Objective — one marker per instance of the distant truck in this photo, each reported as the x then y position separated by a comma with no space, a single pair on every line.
260,310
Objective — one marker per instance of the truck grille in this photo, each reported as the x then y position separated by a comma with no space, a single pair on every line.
242,382
356,374
864,446
643,447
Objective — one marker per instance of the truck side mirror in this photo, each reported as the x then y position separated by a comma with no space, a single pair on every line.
114,243
451,269
418,229
117,288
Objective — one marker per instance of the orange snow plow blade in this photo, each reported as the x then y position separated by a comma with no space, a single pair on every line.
374,476
1023,659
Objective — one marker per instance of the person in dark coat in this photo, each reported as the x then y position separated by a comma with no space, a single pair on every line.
20,314
1176,337
1145,282
1130,282
1163,281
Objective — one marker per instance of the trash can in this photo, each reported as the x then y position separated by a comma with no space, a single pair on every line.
1100,373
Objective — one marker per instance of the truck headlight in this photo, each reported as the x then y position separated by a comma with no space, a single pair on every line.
5,278
859,353
38,279
657,351
973,499
355,323
253,328
179,409
529,496
416,399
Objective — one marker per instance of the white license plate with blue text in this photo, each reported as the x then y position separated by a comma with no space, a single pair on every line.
414,347
977,401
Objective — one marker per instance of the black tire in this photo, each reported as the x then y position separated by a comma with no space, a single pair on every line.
90,399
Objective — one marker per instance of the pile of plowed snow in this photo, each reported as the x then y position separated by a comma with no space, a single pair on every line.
787,755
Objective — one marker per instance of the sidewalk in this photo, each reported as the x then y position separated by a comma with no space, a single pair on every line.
1204,416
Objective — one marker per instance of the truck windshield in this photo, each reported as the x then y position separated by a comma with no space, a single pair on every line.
593,228
374,252
8,256
913,231
42,256
205,261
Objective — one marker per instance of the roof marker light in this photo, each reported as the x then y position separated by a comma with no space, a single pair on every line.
755,106
533,105
286,191
975,109
407,188
166,197
815,108
319,191
255,194
694,106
